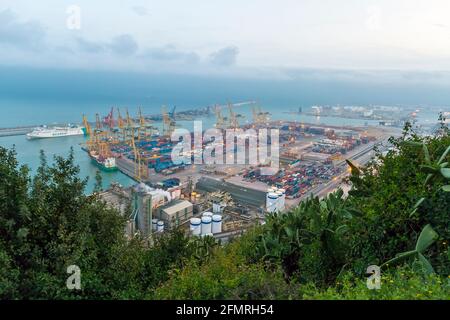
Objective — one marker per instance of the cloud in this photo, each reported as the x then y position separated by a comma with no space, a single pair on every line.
171,53
140,10
89,46
123,45
23,35
225,57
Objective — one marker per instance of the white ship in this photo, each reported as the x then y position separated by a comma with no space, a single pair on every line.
447,117
55,132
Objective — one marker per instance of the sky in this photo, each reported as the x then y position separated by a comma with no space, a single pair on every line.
252,38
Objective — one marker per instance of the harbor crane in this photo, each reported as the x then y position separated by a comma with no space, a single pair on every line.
169,123
121,125
140,167
131,128
98,138
145,127
234,122
87,126
259,117
220,120
109,119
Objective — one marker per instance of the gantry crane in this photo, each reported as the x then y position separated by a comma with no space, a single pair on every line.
145,128
121,126
233,123
169,123
259,117
140,167
98,138
87,126
109,119
220,120
131,128
88,132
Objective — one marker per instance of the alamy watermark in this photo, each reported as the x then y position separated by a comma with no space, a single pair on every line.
255,147
73,21
374,280
73,282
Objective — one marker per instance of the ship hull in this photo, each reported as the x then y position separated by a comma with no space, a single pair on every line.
102,166
54,133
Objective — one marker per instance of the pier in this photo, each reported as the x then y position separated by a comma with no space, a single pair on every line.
17,131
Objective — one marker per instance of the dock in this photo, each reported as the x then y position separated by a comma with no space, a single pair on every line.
16,131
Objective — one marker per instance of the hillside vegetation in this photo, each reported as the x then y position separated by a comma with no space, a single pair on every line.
397,216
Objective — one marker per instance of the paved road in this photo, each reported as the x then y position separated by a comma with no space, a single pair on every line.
361,157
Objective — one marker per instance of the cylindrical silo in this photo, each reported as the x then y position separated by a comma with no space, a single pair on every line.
282,199
207,214
154,224
279,200
206,225
271,202
196,226
160,226
216,223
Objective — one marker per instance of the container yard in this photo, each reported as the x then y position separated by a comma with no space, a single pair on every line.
220,200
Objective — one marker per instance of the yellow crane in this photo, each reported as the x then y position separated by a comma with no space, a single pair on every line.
233,123
87,126
220,120
121,125
145,128
140,167
88,132
98,123
98,138
168,123
259,117
130,128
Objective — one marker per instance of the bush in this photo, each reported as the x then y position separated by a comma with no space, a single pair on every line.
225,276
399,284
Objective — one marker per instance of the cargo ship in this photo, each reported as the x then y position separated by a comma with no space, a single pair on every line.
55,132
107,164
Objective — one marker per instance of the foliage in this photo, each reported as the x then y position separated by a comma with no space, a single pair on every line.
426,238
388,189
47,223
399,284
319,250
225,276
310,240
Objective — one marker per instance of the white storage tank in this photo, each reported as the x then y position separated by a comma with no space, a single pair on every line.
216,223
160,226
196,226
282,199
207,214
206,225
271,202
279,200
154,224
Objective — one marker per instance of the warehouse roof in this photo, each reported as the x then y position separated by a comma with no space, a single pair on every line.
176,206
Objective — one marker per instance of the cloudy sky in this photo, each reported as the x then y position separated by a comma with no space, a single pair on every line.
227,37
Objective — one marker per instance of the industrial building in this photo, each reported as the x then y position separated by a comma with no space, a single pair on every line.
175,213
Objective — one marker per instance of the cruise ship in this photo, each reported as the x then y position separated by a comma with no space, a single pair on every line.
55,132
447,117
